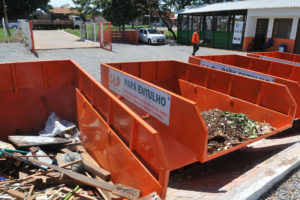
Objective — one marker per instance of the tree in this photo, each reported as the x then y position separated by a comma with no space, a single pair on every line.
20,9
88,8
5,17
164,9
121,12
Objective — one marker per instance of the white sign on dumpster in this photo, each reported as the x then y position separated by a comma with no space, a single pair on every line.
237,33
235,70
150,99
280,60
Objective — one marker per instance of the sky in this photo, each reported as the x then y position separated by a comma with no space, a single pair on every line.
58,3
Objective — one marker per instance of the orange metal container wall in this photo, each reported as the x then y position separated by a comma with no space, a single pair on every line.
75,96
175,78
288,75
283,56
21,88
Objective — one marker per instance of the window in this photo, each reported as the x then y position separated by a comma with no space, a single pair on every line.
221,23
282,28
141,31
145,32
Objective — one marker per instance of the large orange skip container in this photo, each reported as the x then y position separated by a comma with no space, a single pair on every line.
75,96
169,96
288,75
283,57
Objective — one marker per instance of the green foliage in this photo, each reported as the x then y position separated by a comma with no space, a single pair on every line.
2,37
121,12
88,8
75,32
23,6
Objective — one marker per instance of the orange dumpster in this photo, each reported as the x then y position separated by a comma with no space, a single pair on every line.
169,96
288,75
282,57
75,96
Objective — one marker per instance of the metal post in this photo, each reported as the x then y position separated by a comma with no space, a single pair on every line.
81,32
87,32
4,29
95,34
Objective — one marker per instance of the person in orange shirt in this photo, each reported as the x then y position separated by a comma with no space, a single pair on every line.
195,41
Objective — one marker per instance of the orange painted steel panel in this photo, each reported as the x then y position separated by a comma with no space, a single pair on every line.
282,73
191,94
107,148
283,57
102,119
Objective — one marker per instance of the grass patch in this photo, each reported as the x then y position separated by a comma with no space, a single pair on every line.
168,34
2,37
75,32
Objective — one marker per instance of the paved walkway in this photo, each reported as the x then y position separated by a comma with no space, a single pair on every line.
56,39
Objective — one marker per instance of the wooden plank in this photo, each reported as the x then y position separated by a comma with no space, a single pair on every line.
118,189
37,174
27,141
91,165
17,194
29,195
106,194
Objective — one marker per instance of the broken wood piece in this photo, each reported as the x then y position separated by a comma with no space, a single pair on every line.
34,149
17,194
29,195
106,194
60,160
27,141
95,169
37,174
121,190
33,156
66,150
92,166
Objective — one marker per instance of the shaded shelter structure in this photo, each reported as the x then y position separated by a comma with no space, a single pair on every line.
243,25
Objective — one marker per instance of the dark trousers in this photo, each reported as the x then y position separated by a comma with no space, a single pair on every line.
195,48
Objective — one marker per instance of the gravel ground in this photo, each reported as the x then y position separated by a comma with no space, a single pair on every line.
90,58
287,189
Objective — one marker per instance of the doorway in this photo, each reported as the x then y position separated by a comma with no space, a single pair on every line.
261,33
297,41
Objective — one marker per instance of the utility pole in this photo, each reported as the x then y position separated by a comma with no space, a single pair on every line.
5,17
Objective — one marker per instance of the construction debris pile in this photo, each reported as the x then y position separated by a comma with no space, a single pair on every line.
46,168
227,129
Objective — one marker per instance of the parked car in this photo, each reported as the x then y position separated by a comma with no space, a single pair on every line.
151,36
13,24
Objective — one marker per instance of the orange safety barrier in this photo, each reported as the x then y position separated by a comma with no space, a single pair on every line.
75,96
169,96
288,75
283,57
